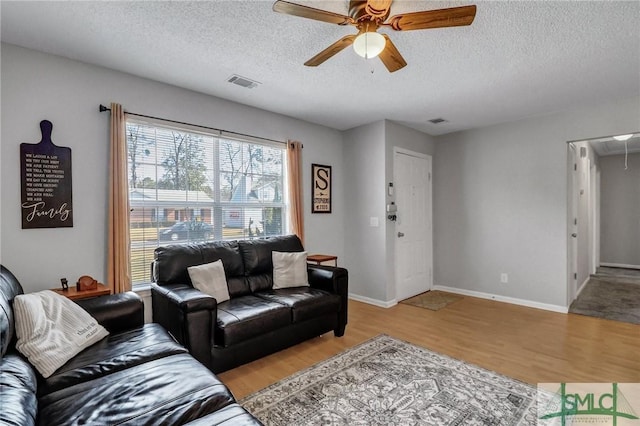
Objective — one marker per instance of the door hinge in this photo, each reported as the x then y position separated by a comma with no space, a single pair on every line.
575,166
575,221
575,276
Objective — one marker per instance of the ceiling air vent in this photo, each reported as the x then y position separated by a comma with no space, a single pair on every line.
243,81
437,121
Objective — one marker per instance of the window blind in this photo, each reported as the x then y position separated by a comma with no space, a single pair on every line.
187,185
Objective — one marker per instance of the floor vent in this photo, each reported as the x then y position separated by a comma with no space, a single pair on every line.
437,120
243,81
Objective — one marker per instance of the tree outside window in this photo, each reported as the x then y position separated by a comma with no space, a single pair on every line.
189,187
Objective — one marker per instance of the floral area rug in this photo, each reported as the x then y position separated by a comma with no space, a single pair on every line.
385,381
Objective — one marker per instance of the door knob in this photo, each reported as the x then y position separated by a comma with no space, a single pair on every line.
400,234
574,235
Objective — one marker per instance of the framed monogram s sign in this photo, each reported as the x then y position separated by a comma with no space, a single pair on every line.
320,189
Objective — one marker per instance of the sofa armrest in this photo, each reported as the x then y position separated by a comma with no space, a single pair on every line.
116,312
329,278
189,315
334,280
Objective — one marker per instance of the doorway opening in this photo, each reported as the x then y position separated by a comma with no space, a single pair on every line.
603,228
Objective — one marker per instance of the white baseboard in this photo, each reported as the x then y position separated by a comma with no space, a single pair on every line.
506,299
582,287
374,302
619,265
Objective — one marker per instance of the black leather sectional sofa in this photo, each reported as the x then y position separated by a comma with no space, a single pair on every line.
138,375
257,320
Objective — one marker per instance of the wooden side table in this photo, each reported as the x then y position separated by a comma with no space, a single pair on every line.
321,258
74,294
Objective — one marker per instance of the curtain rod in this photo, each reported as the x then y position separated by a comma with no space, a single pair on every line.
103,108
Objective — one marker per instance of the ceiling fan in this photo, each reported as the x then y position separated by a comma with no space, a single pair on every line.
369,15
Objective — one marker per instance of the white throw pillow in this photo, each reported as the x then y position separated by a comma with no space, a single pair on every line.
289,269
210,279
52,329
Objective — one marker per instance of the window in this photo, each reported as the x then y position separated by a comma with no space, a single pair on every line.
187,186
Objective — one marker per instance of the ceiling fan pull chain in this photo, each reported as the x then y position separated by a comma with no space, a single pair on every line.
366,42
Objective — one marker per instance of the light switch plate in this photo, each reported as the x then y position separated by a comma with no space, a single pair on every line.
374,222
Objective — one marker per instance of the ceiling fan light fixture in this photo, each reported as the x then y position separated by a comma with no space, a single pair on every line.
369,44
623,138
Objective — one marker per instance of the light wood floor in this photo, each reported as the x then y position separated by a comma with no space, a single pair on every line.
528,344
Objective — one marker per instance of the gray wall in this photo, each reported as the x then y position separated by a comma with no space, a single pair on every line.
365,253
620,210
500,201
368,156
500,193
38,86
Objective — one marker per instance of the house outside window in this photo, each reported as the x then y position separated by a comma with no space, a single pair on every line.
192,186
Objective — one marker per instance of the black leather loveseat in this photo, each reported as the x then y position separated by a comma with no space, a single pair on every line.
138,375
257,320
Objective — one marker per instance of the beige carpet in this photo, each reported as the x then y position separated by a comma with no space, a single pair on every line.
434,300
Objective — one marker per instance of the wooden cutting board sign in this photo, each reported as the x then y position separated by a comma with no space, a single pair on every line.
45,177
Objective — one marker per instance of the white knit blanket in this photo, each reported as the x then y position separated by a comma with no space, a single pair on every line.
52,329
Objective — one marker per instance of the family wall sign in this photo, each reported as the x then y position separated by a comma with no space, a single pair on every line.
45,177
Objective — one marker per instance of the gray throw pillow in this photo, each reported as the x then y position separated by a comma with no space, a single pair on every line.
210,279
289,269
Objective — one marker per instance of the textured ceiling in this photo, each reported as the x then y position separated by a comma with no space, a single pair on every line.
518,59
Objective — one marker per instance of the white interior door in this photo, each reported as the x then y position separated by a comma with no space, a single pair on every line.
414,248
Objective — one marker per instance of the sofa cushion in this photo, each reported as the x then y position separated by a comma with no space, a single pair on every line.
210,279
305,302
115,353
18,403
171,262
172,390
244,317
258,264
9,289
232,415
229,253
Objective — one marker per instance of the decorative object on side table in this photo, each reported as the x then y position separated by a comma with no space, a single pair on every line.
320,188
86,283
85,288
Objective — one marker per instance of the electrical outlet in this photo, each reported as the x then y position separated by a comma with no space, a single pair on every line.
504,278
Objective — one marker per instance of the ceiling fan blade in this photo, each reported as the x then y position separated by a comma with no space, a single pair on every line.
391,57
330,51
310,12
441,18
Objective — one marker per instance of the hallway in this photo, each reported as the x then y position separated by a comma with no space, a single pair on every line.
611,293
